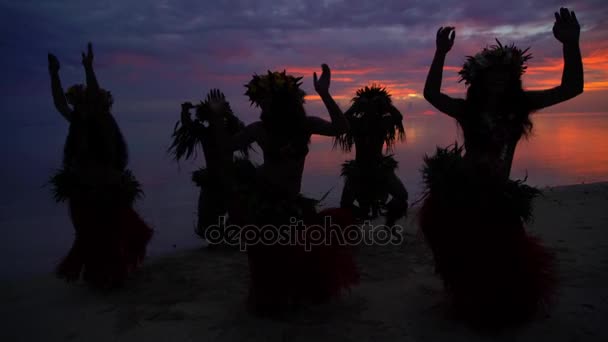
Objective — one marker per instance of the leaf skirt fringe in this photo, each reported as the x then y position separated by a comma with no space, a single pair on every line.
111,238
495,273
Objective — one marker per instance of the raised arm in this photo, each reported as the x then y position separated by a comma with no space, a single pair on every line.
245,137
58,95
87,62
338,124
566,30
432,87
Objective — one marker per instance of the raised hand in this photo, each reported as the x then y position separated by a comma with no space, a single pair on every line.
58,94
566,28
87,59
445,39
322,84
217,101
53,63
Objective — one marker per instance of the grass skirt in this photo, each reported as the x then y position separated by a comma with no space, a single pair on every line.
495,273
111,238
371,188
368,182
284,275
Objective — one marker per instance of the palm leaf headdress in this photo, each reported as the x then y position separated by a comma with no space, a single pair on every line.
372,113
274,85
508,56
187,135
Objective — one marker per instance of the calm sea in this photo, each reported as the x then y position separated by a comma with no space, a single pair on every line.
36,232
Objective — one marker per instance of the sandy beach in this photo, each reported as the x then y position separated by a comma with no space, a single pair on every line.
199,295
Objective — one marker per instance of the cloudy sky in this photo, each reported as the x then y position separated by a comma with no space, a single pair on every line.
155,54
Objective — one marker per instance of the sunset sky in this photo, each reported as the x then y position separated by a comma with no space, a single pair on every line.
155,54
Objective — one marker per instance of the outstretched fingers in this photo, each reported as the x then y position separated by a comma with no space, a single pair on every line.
87,58
216,98
564,14
574,19
566,19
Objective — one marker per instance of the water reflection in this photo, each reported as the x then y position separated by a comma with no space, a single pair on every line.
565,149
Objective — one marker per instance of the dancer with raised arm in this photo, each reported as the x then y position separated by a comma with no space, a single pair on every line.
188,134
370,178
111,238
283,272
474,216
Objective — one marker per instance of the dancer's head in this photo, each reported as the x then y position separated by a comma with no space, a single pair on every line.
277,94
83,101
282,102
495,73
496,69
373,120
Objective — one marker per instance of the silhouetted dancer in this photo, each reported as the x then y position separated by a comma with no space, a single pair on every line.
370,178
283,273
474,216
188,134
111,238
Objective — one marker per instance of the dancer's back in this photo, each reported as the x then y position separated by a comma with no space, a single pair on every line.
95,139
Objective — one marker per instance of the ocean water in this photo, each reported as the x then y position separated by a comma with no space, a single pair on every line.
566,148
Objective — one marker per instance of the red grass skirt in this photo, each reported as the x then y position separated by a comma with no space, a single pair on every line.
495,273
110,243
283,276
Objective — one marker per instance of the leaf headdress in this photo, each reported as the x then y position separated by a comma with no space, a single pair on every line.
499,55
274,86
187,135
372,113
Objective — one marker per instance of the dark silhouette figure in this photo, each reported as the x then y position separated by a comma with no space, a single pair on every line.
111,238
190,133
473,215
285,274
370,178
